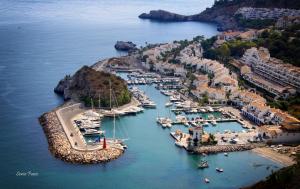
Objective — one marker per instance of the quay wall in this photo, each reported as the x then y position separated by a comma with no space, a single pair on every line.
60,147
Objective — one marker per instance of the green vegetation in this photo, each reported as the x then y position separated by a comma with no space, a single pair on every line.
291,105
285,178
254,23
204,99
284,45
88,84
292,4
233,48
211,140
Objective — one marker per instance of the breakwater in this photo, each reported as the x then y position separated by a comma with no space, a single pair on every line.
61,148
223,148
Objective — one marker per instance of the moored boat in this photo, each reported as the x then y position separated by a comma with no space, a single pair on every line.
203,164
219,170
206,180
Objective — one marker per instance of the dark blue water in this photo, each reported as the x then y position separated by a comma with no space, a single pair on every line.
40,42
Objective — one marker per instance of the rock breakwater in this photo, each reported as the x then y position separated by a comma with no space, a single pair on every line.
224,148
61,148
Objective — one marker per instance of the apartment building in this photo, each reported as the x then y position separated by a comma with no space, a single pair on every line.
271,69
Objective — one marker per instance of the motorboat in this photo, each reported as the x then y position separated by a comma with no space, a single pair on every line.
186,124
203,164
214,122
219,170
202,110
149,104
210,109
179,144
168,104
91,132
205,124
210,116
169,124
206,180
225,154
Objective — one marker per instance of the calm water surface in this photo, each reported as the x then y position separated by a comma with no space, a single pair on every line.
40,42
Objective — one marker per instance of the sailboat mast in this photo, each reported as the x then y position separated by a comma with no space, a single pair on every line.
92,103
114,131
114,122
99,102
110,94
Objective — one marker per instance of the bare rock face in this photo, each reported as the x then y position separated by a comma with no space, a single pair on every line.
125,46
63,86
162,15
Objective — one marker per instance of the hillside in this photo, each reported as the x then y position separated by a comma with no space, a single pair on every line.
285,178
222,12
87,84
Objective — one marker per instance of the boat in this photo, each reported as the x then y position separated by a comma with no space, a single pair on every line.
149,104
206,180
168,104
210,109
186,124
92,132
202,110
179,144
210,116
205,124
225,154
214,122
219,170
203,164
168,124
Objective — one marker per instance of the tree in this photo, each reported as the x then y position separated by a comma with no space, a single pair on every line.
224,52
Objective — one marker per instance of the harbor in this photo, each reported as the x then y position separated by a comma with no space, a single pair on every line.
220,122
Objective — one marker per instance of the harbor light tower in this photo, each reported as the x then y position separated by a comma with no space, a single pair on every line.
197,135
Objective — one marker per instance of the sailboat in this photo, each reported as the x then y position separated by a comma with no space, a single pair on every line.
118,143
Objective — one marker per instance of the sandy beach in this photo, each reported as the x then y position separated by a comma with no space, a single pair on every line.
274,156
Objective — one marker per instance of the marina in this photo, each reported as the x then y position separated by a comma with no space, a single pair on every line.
42,41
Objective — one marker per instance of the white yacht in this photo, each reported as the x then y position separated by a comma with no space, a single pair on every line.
179,144
214,122
168,104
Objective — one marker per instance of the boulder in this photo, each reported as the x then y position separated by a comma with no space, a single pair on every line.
125,46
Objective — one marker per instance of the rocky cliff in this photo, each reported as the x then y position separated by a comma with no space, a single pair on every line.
162,15
221,13
125,46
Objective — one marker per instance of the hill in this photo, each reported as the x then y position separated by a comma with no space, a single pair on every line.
222,12
87,84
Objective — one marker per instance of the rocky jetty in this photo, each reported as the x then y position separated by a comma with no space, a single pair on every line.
60,146
223,148
162,15
125,46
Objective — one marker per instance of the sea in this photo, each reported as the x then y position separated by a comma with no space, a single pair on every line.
43,40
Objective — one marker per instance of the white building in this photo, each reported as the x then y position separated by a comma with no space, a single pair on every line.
272,69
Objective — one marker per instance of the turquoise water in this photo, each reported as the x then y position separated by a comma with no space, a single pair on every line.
41,41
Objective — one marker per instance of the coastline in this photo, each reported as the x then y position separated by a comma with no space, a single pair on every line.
274,156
